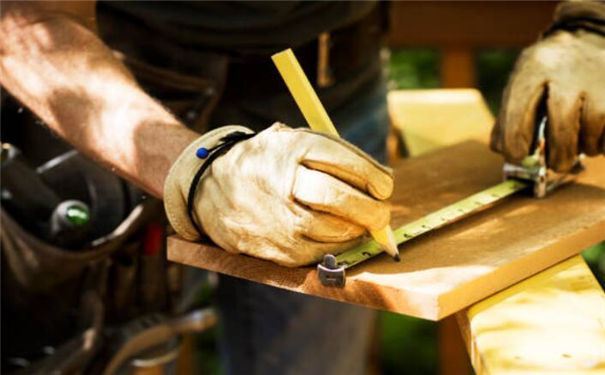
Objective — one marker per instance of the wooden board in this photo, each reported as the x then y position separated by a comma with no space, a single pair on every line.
552,323
454,267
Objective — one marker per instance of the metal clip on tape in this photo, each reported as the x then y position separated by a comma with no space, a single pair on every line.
330,273
533,168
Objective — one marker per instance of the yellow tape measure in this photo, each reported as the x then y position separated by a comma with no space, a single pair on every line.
331,271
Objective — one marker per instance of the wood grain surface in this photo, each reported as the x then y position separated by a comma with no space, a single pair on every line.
551,323
456,266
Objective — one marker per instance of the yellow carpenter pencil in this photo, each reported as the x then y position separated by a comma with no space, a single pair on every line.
318,119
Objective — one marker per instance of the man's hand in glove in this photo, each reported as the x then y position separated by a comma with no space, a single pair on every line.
568,68
286,195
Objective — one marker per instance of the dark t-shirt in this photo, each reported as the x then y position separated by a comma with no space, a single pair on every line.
183,37
243,27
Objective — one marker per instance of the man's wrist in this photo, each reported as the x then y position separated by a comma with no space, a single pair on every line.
181,175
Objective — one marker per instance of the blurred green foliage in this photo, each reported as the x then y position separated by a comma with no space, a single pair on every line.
418,68
413,69
493,68
207,360
407,345
595,257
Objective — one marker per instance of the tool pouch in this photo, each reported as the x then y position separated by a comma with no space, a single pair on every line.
38,266
43,285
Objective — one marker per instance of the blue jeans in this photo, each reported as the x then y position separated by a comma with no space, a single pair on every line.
266,330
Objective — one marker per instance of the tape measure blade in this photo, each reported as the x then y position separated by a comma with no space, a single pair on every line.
440,218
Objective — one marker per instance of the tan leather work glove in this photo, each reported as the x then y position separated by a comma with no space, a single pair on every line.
285,195
569,68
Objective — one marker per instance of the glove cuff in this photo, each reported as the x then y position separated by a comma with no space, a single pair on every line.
574,15
180,177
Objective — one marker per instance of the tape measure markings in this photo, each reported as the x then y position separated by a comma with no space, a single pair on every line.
434,220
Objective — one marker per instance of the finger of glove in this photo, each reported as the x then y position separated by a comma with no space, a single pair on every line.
592,133
516,120
323,227
322,192
564,110
348,163
495,141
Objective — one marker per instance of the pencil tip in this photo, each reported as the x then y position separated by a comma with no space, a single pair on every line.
386,238
397,258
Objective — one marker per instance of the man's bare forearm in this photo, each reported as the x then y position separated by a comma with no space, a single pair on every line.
60,69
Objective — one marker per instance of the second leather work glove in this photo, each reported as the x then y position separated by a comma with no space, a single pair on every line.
568,69
285,195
